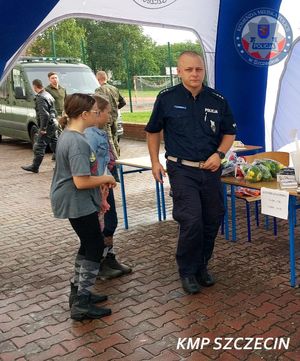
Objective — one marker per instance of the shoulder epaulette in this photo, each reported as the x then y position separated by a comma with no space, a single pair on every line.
214,93
167,90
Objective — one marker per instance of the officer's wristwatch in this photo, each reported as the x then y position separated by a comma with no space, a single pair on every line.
221,154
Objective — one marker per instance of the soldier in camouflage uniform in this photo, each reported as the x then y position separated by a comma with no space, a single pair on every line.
45,116
116,102
110,267
57,91
59,95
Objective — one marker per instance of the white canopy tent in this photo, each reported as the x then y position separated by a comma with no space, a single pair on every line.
251,90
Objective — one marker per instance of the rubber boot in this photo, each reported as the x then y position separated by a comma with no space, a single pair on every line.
111,262
83,309
107,273
94,297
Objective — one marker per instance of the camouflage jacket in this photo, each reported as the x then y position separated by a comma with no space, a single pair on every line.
116,102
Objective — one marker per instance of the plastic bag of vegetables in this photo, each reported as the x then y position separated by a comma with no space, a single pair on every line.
273,166
265,171
227,167
253,173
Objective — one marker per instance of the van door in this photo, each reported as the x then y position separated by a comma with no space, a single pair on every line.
4,101
17,109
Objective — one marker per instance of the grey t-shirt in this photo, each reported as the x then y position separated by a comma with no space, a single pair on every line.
74,157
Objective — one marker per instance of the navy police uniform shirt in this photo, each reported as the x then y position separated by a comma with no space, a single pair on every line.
193,127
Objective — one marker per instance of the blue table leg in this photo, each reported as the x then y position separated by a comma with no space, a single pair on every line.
233,213
225,219
275,226
292,210
256,213
267,222
248,221
163,202
123,197
158,200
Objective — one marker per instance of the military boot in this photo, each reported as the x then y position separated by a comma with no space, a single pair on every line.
30,168
34,167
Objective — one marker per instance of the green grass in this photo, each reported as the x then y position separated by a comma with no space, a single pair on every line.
141,93
136,117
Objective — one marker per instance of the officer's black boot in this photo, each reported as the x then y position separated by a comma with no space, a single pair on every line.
204,278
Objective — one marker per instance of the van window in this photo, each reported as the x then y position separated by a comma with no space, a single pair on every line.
3,90
73,79
18,80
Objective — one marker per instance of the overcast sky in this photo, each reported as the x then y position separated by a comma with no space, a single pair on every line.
163,35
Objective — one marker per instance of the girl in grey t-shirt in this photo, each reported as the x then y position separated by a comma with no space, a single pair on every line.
75,195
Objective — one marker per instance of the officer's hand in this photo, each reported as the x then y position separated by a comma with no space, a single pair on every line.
158,171
43,132
212,163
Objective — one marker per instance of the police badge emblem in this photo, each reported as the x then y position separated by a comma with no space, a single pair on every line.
263,37
213,126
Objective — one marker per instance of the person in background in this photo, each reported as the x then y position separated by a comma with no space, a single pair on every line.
98,140
59,94
57,91
46,118
116,102
75,196
198,129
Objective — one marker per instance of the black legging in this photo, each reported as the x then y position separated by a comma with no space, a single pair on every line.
110,217
91,239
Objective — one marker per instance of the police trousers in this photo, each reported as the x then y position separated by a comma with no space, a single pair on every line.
198,208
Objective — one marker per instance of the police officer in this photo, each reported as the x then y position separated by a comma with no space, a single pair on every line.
46,117
198,129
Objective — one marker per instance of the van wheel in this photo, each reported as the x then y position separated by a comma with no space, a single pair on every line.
33,133
0,138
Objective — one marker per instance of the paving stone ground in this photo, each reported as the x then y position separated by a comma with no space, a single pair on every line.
252,296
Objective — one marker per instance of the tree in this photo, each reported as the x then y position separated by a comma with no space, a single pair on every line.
68,37
110,46
162,53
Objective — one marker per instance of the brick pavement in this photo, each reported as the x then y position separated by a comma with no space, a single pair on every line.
252,297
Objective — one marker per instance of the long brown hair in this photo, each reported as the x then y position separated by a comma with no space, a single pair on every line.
76,104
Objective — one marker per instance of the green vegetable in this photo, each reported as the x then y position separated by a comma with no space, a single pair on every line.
273,166
254,174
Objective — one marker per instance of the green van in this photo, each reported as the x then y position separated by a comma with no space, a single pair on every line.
17,113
